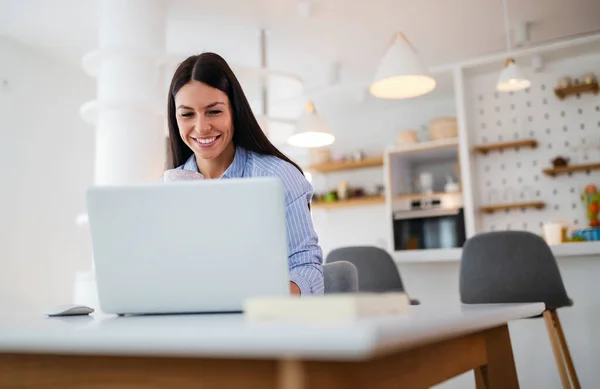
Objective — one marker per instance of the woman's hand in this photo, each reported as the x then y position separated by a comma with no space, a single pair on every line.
294,289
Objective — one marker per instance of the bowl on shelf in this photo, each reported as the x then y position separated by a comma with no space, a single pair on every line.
406,137
443,128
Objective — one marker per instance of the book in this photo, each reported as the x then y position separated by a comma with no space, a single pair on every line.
326,308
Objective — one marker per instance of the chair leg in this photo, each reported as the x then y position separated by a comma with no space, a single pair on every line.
558,357
565,350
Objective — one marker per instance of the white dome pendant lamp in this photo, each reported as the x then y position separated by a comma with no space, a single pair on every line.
511,79
311,130
401,74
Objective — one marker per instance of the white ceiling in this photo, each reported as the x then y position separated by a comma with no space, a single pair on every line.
355,33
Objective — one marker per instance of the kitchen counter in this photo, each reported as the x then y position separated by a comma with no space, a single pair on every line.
453,255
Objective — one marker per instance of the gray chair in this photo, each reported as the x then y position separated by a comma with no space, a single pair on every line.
377,271
340,277
518,267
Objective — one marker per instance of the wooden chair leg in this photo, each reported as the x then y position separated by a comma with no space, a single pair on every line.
481,379
565,350
558,357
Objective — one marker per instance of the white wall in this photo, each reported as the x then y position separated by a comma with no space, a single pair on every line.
46,159
566,127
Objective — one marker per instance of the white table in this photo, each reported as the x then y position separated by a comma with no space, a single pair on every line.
420,349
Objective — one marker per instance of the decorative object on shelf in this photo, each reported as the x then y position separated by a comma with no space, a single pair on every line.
589,78
451,185
350,202
591,200
342,190
564,82
511,78
484,149
566,87
560,161
489,209
586,234
358,155
443,128
401,74
571,169
554,233
334,166
319,155
311,130
425,183
406,137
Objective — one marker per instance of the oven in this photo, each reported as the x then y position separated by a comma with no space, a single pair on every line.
429,222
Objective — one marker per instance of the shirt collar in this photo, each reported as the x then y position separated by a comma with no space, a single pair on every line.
235,170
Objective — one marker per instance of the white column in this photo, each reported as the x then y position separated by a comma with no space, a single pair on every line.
130,106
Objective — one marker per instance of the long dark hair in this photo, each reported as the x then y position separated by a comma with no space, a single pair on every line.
211,69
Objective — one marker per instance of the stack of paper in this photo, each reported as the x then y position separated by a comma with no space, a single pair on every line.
326,308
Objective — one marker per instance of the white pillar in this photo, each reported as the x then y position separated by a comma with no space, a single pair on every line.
130,105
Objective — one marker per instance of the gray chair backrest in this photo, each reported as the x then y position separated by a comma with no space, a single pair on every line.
376,268
340,277
510,267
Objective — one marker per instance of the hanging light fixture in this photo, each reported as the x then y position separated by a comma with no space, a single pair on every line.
511,78
401,74
311,130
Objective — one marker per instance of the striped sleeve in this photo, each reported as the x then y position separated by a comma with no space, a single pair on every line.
305,256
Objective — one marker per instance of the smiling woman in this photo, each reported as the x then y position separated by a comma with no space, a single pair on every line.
213,134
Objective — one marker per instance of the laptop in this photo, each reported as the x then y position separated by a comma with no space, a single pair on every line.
188,246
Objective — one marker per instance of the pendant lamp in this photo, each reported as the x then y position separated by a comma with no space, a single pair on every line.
311,130
401,74
511,78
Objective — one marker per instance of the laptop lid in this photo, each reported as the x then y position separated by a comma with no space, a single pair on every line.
189,246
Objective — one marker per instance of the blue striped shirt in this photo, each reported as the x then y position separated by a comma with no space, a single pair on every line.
305,256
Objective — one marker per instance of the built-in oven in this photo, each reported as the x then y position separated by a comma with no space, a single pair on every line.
429,222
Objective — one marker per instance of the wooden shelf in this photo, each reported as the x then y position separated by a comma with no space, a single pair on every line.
420,196
571,169
355,202
561,93
484,149
422,147
506,207
347,165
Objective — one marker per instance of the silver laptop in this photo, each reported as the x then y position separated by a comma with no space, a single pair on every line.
188,246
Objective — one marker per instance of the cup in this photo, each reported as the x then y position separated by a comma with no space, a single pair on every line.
553,233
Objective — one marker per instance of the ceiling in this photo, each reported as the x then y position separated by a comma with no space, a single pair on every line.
355,34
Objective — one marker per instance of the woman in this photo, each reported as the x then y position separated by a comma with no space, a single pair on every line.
213,134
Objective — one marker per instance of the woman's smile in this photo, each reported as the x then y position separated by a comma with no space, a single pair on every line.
205,142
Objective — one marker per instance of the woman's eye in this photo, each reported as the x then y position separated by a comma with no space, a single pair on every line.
215,112
187,114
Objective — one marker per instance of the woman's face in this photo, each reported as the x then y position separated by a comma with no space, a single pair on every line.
204,119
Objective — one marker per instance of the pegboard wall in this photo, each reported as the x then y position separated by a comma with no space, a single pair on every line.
568,128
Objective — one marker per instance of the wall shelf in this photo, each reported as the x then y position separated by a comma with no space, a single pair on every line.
420,196
562,92
353,202
553,172
346,165
505,207
425,147
484,149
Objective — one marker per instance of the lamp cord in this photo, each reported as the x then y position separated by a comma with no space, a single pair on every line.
506,27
